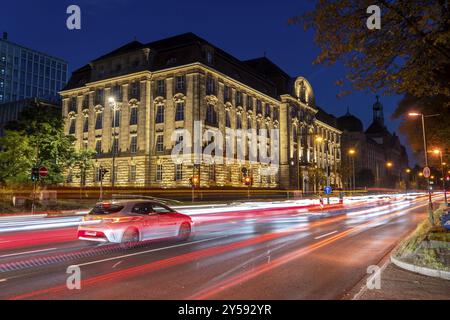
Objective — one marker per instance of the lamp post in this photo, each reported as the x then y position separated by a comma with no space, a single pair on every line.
352,153
430,203
389,165
439,152
114,107
408,179
320,140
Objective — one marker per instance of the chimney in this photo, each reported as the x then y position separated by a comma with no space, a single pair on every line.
5,35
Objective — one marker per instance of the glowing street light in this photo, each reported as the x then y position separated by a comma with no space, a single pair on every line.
352,153
389,164
414,115
439,152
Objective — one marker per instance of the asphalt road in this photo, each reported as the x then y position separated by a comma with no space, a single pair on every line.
278,254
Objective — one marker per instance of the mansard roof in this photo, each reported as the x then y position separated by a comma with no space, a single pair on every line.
260,74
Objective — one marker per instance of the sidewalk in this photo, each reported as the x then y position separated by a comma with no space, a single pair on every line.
399,284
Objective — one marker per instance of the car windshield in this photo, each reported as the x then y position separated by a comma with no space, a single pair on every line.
106,208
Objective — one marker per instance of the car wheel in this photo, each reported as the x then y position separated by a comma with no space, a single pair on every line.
185,232
130,239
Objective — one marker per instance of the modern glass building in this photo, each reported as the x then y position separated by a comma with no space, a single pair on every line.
26,73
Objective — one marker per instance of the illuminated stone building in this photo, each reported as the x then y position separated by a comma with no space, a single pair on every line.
172,84
380,159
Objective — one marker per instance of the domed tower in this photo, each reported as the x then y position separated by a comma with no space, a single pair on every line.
378,115
349,122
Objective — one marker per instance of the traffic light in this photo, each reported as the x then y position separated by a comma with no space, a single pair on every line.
35,174
102,173
248,181
194,181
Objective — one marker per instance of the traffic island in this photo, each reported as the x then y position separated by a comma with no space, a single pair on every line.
427,250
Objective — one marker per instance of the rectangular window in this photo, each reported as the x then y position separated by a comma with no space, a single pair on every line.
134,91
227,119
226,93
132,174
160,143
99,93
86,124
210,85
179,112
267,113
99,121
238,98
73,104
98,146
161,88
180,83
133,144
72,126
249,103
115,118
178,172
258,107
160,114
133,115
116,92
159,172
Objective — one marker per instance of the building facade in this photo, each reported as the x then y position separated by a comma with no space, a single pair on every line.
379,159
26,73
134,105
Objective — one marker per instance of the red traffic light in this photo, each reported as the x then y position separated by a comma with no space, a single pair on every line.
194,181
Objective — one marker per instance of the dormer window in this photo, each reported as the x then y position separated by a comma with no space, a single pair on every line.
209,56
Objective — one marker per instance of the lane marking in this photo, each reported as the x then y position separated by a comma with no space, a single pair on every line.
326,234
25,252
148,251
3,280
115,265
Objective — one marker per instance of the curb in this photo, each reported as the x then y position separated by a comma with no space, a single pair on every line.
421,270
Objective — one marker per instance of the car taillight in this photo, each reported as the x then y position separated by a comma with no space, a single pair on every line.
91,234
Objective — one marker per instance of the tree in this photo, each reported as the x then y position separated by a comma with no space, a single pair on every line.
38,139
437,128
17,157
410,54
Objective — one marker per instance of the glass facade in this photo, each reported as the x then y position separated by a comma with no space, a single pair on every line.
25,73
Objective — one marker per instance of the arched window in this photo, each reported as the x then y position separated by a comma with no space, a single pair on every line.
238,122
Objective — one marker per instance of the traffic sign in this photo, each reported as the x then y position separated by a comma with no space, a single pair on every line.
426,172
328,190
43,171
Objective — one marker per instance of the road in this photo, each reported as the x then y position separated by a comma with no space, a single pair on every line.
282,253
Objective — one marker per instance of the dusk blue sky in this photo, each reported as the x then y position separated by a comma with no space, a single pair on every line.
246,29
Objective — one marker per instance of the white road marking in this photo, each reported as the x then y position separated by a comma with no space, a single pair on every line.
115,265
3,280
148,251
25,252
326,234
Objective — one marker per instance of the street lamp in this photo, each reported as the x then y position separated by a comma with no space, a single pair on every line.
439,152
414,115
320,139
114,107
352,153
